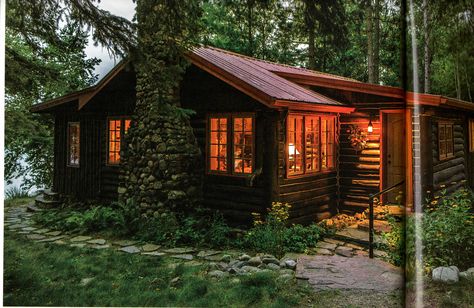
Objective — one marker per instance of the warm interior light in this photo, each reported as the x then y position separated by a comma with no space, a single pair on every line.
370,128
291,149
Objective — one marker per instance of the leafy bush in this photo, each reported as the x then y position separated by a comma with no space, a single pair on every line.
394,242
271,234
448,231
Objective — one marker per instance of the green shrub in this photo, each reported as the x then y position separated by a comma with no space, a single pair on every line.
271,234
448,231
394,242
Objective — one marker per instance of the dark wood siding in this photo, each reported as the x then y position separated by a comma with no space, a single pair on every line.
359,170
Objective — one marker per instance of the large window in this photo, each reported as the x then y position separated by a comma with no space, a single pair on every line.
231,144
117,129
73,147
445,140
310,144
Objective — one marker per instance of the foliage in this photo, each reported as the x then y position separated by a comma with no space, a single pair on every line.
448,230
201,229
16,192
394,242
37,274
271,235
357,137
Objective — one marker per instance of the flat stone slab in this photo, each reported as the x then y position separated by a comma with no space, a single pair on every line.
324,252
124,243
179,250
52,233
356,273
29,229
344,251
81,238
207,253
52,239
98,241
78,245
130,249
333,241
150,247
183,256
325,245
154,253
100,246
35,237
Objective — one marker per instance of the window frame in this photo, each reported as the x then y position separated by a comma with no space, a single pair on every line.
320,170
471,134
122,134
68,150
448,155
230,116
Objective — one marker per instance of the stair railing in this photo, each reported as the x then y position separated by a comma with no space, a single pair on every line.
371,215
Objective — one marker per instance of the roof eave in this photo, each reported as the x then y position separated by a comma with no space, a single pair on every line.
305,106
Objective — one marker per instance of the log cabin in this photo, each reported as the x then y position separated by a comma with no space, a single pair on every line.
272,132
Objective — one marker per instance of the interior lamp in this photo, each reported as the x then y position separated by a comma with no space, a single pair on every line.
291,149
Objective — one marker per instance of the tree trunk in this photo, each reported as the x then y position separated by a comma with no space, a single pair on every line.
250,4
309,16
161,162
376,42
311,49
427,47
370,43
458,78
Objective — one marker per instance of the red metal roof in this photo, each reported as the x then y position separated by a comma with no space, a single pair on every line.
259,75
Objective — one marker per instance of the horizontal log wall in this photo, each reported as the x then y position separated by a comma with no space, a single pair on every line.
359,171
450,173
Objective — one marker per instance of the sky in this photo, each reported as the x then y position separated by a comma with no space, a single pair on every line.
123,8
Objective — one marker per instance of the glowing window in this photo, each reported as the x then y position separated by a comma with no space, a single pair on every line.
74,135
116,130
231,144
310,144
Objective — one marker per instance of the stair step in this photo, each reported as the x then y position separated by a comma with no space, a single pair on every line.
379,226
48,194
33,208
41,202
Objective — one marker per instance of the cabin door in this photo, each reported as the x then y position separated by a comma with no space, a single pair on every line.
393,154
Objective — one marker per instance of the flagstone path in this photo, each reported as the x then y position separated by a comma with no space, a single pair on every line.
335,265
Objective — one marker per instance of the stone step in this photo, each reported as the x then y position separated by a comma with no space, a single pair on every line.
356,236
379,226
48,194
33,208
41,202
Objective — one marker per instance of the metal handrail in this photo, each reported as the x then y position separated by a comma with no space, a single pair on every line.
371,215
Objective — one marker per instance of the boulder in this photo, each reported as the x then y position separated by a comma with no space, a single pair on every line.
218,274
255,261
291,264
468,274
446,274
244,257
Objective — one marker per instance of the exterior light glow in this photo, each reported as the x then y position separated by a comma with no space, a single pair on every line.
370,128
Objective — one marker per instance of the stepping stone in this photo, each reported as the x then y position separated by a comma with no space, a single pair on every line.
207,253
35,237
100,246
80,238
324,252
78,245
150,247
24,232
59,242
380,254
344,251
180,250
52,239
17,226
354,246
184,257
333,241
29,229
53,233
154,253
130,249
214,258
43,231
193,263
98,241
329,246
124,243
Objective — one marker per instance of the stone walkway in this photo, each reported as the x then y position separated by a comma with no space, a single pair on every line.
335,265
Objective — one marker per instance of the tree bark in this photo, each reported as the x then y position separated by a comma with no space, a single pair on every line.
427,47
370,43
311,49
376,42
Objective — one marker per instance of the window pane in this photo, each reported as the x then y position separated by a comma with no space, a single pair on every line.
327,143
127,124
312,143
295,144
73,144
243,145
218,144
114,141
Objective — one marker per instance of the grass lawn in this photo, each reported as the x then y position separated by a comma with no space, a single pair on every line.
49,274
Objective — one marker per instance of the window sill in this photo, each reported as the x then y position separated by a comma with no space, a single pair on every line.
305,175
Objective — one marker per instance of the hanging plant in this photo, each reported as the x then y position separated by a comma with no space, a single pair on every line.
357,137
